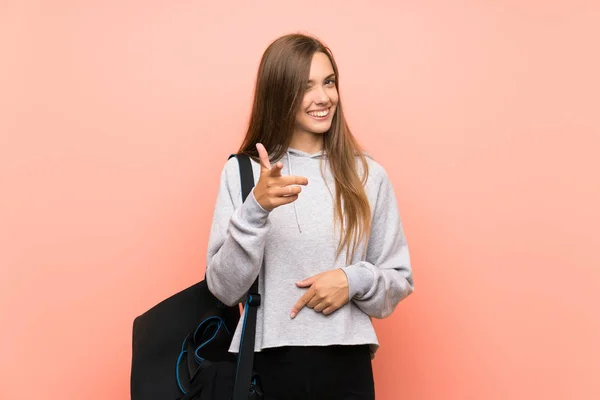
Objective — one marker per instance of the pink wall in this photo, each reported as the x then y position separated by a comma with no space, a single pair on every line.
116,118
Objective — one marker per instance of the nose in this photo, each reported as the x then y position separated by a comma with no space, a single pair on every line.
321,96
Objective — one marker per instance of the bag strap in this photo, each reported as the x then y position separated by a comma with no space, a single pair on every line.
246,352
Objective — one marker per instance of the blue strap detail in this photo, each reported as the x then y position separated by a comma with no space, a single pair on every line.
217,323
210,322
179,358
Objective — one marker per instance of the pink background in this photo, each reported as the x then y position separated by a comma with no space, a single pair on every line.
117,116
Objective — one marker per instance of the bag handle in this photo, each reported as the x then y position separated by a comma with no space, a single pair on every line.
243,374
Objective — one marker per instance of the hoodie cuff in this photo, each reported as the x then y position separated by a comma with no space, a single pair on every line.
360,280
252,212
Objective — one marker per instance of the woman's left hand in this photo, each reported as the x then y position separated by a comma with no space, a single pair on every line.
328,291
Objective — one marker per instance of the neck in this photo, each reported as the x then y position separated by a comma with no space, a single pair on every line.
307,142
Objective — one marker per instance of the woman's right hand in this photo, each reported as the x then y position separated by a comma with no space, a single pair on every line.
272,189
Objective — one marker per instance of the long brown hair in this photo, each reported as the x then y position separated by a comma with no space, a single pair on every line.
280,85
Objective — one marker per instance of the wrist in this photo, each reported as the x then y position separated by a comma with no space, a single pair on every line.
360,279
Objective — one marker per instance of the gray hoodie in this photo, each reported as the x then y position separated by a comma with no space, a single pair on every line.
296,241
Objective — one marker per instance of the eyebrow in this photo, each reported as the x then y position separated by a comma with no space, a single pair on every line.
310,81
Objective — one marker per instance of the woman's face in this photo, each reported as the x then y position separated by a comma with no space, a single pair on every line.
320,99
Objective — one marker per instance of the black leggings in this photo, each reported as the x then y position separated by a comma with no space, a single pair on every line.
319,372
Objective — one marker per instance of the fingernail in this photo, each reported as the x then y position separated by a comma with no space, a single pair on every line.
292,314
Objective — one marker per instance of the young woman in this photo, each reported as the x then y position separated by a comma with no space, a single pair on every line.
321,227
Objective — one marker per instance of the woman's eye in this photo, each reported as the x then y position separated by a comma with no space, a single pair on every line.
330,82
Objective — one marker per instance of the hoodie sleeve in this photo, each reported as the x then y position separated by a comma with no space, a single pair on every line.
237,239
380,282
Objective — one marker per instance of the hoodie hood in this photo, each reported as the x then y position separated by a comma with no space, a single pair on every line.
292,153
300,153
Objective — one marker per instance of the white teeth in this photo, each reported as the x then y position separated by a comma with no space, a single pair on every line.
319,113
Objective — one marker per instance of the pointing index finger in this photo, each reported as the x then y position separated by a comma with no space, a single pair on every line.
301,303
265,164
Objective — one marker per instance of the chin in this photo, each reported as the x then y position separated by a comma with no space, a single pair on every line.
318,129
319,132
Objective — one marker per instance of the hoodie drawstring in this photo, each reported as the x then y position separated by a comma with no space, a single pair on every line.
292,173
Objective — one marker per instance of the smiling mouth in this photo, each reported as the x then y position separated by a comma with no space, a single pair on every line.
319,114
